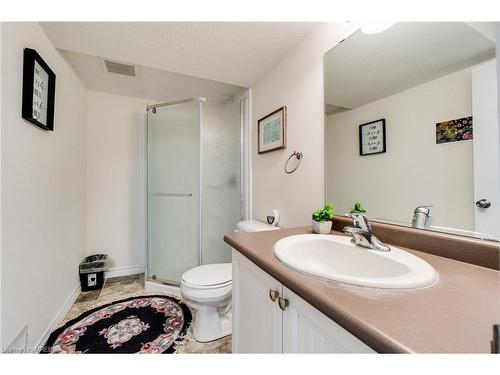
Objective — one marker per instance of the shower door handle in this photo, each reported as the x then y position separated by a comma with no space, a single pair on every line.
172,195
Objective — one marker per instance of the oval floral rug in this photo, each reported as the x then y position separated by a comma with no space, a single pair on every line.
146,324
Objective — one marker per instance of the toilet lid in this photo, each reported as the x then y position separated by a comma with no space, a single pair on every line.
208,275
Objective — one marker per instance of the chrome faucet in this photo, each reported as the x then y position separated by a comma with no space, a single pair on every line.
422,217
362,234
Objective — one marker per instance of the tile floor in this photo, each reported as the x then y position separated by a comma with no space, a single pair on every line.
130,286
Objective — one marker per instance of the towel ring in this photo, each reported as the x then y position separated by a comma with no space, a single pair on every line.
298,156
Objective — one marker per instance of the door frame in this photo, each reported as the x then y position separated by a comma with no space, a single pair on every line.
246,154
485,181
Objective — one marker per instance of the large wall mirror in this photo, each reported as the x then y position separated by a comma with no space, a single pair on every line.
412,129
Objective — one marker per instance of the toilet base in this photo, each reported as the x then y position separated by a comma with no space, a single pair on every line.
211,322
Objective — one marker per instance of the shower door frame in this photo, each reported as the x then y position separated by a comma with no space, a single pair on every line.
245,173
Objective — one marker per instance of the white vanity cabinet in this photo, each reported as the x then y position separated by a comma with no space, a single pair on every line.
257,321
286,325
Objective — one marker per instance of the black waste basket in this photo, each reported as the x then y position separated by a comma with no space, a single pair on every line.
92,271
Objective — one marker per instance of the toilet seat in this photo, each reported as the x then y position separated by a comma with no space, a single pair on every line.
206,295
210,287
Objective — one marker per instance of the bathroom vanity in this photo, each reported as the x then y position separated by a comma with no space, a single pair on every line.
270,318
279,310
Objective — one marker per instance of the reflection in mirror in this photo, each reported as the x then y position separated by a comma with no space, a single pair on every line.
412,128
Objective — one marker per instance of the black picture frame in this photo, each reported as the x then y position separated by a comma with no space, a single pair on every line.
30,56
384,143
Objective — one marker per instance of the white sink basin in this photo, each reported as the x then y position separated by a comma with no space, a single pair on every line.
335,258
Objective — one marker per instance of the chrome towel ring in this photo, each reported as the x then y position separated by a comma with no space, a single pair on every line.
298,156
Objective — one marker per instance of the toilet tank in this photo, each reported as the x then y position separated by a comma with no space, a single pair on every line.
253,226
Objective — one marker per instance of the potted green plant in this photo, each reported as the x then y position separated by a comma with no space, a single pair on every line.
322,220
357,209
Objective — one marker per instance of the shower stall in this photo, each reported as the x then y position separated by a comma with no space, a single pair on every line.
193,184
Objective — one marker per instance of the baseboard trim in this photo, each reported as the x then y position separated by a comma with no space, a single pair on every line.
123,271
59,316
113,272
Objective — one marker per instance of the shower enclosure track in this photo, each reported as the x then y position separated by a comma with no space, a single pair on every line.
198,99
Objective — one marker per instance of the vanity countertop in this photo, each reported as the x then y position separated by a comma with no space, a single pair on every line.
456,315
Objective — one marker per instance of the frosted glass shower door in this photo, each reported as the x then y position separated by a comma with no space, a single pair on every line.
221,194
173,191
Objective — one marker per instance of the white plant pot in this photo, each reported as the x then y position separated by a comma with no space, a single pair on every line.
322,228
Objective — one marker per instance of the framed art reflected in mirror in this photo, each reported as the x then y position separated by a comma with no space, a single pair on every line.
372,137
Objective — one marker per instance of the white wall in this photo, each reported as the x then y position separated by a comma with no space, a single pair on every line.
414,170
297,83
1,252
42,191
497,28
115,125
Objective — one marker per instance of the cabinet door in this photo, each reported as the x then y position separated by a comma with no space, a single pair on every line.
257,320
307,330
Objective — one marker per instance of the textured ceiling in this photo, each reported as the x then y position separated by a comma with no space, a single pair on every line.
232,52
150,83
365,68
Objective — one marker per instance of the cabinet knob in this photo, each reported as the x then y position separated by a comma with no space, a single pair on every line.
283,303
273,294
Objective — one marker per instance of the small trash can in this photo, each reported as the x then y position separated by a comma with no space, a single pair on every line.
92,270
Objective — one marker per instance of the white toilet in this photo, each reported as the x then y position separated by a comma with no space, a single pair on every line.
207,290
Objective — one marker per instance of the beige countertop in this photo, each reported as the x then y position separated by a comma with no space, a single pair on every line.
456,315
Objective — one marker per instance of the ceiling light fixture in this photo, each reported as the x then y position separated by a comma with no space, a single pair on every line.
376,27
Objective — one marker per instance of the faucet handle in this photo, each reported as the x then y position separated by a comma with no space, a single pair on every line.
361,221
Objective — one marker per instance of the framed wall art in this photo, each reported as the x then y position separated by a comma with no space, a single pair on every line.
272,131
454,130
39,86
372,138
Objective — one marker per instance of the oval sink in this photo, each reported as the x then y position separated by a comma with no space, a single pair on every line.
335,258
